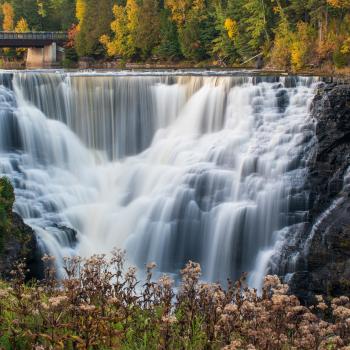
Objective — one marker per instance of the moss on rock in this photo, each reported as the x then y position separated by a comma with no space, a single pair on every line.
17,240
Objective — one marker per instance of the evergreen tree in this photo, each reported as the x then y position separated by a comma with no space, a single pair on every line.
195,26
148,27
224,43
290,33
238,13
94,20
256,23
281,52
169,47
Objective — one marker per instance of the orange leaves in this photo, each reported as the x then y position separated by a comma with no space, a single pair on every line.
8,23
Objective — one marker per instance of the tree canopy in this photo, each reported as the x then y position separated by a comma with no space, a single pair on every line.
287,33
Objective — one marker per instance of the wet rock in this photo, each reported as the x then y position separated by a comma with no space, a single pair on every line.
17,240
322,244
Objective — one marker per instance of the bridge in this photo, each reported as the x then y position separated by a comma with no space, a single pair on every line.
44,48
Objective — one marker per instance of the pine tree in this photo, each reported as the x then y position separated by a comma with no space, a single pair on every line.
169,47
195,27
94,21
148,28
256,23
28,9
281,51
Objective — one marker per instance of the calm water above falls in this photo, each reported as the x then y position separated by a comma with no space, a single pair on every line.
169,167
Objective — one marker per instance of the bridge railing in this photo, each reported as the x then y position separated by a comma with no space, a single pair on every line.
54,36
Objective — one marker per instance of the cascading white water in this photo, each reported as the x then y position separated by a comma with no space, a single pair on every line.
170,167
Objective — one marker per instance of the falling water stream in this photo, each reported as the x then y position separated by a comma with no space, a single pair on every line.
171,167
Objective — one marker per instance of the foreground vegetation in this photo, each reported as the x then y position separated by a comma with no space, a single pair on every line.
287,34
99,306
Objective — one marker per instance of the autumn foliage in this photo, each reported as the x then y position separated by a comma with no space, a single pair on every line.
8,21
293,35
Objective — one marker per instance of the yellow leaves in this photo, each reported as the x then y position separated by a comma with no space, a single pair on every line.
300,45
231,27
198,5
297,52
124,26
178,9
345,49
276,10
104,39
181,9
120,18
80,10
133,13
118,26
293,47
9,15
339,3
280,54
22,26
110,46
116,10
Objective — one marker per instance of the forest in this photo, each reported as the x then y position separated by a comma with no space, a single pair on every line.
287,34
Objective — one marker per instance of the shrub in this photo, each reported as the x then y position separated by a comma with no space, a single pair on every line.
102,305
341,59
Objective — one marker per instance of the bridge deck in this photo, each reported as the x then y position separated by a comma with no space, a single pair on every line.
31,39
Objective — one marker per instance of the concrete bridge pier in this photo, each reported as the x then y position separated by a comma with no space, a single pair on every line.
39,57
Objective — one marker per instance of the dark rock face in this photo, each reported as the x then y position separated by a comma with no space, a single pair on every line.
331,110
321,247
19,246
17,240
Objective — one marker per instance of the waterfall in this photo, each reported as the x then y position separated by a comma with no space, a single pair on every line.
170,166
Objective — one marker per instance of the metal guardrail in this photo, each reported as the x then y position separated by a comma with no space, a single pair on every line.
54,36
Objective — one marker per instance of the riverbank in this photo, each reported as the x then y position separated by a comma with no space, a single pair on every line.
327,71
117,65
